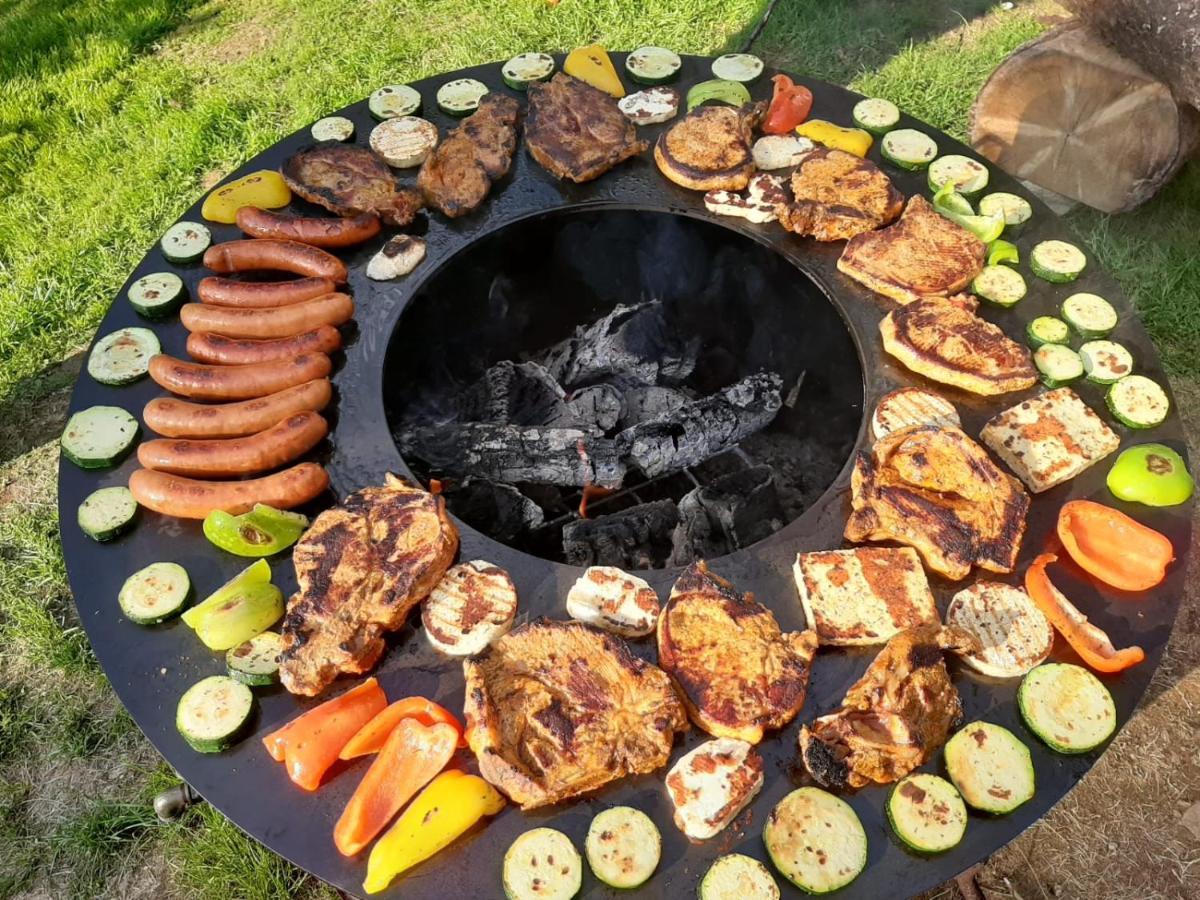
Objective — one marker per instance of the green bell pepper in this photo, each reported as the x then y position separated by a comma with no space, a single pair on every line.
1152,474
261,532
732,92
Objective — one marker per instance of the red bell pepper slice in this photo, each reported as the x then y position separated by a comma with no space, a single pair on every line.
374,734
790,105
1112,547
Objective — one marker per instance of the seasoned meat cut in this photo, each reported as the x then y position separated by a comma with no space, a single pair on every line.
576,131
939,492
457,176
361,567
838,195
556,709
738,673
893,718
349,180
709,148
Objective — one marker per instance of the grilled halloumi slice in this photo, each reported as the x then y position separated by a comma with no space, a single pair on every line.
473,605
1013,633
863,596
1049,439
614,600
909,408
712,784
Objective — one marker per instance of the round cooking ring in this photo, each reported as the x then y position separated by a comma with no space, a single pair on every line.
151,668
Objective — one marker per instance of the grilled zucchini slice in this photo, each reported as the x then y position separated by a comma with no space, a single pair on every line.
107,513
1057,261
1105,362
214,713
1138,402
623,847
990,767
98,436
908,149
815,840
1067,707
1016,211
185,242
1047,330
155,593
157,295
461,96
653,65
255,662
968,176
927,813
332,128
999,285
1090,315
743,67
394,100
529,873
876,115
525,69
1058,364
738,877
123,356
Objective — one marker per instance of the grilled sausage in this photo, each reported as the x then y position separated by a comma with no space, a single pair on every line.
188,498
225,457
181,419
206,347
284,321
315,231
283,256
201,382
261,294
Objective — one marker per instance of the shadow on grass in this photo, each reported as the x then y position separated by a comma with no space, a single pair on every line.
35,409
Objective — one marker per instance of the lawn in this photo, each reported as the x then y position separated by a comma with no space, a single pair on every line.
116,114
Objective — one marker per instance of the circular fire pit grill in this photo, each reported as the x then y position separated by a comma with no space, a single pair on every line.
151,668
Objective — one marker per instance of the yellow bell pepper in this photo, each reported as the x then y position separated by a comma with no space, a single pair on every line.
264,189
835,137
451,804
593,65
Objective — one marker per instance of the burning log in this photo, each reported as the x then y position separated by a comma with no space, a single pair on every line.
635,538
599,406
514,394
705,427
732,511
504,511
644,402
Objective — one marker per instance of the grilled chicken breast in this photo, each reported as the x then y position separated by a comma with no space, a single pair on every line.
712,784
614,600
910,407
473,604
709,149
894,718
946,342
348,180
922,255
457,175
739,675
360,568
939,492
839,195
1013,634
556,709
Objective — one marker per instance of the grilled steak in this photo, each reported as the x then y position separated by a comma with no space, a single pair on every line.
360,568
457,176
893,718
922,255
349,180
839,195
945,341
709,148
576,131
737,672
555,709
939,492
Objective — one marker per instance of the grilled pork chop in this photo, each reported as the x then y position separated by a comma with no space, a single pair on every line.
894,717
839,195
709,149
576,131
945,341
939,492
457,176
922,255
555,709
360,568
349,180
737,672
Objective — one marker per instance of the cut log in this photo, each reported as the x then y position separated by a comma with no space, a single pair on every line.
634,538
731,512
1068,113
500,509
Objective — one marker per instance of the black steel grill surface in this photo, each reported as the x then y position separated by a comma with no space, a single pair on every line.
151,668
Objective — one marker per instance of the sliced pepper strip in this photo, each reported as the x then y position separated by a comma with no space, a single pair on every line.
1091,643
1112,547
835,137
310,744
411,757
790,105
372,736
442,812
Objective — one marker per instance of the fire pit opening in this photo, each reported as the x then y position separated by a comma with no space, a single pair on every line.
620,387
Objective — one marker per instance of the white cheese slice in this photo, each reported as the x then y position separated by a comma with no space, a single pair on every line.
779,151
1013,633
651,106
608,598
398,256
712,784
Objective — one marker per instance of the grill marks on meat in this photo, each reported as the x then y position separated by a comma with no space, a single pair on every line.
838,195
709,148
556,709
349,180
458,174
894,717
361,568
576,131
939,492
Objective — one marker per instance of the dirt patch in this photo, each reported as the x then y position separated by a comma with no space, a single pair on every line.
216,38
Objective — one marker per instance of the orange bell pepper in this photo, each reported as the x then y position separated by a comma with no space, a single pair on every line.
310,744
413,754
1091,643
1114,548
372,736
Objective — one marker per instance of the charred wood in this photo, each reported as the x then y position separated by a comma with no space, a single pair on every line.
731,512
635,538
500,509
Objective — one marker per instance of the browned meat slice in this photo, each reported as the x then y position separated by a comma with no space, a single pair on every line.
349,180
922,255
709,148
738,673
576,131
894,717
360,568
839,195
555,709
458,174
939,492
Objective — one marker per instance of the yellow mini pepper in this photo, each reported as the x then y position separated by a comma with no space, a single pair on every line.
452,803
264,189
593,65
835,137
